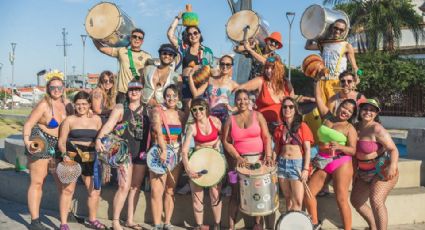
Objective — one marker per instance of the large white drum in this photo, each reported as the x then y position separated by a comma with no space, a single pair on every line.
249,20
316,20
258,190
294,220
210,164
108,24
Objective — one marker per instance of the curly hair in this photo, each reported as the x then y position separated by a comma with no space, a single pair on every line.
278,80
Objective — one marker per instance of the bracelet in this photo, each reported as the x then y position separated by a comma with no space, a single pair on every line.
268,157
305,169
177,17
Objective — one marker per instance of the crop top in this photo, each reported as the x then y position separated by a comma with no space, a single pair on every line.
327,135
175,131
367,147
247,140
200,138
303,134
87,135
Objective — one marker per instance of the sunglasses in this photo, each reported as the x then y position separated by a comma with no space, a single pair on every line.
171,96
274,43
196,109
336,28
223,64
271,59
288,106
52,88
346,81
163,53
135,90
108,81
136,37
369,109
195,33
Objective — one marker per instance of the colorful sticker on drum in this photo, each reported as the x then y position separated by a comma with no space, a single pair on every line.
246,182
261,206
266,197
256,197
274,178
258,183
276,200
267,180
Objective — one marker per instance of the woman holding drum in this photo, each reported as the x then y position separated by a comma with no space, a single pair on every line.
43,124
76,142
337,144
206,134
272,87
103,97
245,134
218,89
292,145
167,125
132,123
377,170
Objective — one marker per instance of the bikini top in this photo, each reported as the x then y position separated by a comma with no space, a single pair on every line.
53,123
368,147
327,135
175,131
200,138
88,135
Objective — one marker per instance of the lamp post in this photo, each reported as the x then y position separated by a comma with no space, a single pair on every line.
290,17
12,62
1,67
83,38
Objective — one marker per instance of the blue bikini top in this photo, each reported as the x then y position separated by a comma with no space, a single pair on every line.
53,123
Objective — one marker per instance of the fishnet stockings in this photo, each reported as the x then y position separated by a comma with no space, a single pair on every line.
377,191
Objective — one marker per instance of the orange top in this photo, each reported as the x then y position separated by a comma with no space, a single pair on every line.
266,105
304,134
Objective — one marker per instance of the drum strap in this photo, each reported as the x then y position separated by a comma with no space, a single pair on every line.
132,68
338,64
164,120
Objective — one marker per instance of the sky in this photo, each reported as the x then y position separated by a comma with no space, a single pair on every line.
36,27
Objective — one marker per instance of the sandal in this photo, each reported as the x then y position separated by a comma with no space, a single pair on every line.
96,224
133,226
258,227
64,227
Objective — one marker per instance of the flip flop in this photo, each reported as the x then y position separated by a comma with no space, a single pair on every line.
133,226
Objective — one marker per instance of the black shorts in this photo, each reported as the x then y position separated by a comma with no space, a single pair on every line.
87,168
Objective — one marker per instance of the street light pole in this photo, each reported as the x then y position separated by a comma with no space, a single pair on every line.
290,17
1,67
83,38
12,62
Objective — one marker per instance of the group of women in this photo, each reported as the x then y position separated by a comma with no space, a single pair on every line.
362,150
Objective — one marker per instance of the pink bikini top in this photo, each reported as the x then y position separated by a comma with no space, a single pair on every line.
368,147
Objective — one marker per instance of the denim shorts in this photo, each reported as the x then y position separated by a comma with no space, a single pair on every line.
289,168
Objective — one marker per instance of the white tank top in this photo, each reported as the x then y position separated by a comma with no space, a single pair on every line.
331,53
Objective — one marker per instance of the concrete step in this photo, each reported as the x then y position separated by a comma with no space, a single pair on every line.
405,205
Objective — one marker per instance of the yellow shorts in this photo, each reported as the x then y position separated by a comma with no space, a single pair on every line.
327,88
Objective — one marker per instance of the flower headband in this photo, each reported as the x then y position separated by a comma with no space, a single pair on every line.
52,74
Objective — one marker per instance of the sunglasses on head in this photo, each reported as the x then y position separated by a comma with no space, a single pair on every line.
196,109
52,88
346,81
136,37
336,28
288,106
195,33
223,64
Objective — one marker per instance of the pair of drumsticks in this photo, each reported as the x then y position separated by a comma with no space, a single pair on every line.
306,188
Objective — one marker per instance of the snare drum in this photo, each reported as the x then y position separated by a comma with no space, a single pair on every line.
316,21
294,220
258,190
246,20
108,24
210,160
154,163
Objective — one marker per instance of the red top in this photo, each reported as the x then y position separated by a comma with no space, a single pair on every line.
200,138
303,134
266,105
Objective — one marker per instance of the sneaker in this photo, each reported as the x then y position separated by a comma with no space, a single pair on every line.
184,190
168,227
36,225
157,227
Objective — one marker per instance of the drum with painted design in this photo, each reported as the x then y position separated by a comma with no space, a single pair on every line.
294,220
258,190
154,163
107,23
210,164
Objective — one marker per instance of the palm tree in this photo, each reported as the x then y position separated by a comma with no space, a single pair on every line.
381,20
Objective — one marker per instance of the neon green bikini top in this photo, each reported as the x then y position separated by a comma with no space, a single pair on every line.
327,135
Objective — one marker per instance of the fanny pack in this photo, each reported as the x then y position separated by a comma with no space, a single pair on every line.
321,162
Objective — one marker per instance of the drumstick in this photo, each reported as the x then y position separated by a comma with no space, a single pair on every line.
306,188
171,175
245,31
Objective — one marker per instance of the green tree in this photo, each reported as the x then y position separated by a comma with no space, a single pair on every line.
381,21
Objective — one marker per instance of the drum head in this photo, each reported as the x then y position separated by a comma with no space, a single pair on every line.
102,20
294,220
210,160
264,169
154,163
313,22
237,23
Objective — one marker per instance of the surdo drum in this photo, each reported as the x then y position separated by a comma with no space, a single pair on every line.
258,190
316,21
246,24
294,220
108,24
